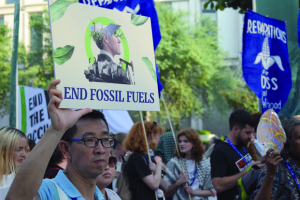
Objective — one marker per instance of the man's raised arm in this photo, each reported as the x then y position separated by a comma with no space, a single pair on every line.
30,175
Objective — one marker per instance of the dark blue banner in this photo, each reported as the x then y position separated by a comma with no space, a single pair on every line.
139,7
266,67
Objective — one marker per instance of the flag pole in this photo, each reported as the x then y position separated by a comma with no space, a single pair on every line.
254,5
14,64
162,96
148,152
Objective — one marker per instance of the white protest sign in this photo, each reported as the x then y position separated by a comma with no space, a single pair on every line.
32,112
104,58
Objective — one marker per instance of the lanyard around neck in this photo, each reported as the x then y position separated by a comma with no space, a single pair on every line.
238,151
146,156
195,173
293,174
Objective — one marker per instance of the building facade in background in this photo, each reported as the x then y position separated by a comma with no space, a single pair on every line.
27,9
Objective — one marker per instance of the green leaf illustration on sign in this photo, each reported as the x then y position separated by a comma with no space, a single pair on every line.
150,67
58,9
63,54
138,20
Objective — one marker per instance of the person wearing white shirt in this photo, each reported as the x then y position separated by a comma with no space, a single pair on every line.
196,179
13,150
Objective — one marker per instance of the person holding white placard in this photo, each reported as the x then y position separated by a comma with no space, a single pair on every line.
83,137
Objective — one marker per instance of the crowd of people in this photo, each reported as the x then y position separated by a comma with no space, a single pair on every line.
78,158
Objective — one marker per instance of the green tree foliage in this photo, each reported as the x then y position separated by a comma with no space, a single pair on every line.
191,68
38,68
5,54
243,5
35,65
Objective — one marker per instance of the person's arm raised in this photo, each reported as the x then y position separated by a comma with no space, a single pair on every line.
273,159
30,175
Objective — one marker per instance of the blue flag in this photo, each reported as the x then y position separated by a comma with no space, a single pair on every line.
266,67
139,7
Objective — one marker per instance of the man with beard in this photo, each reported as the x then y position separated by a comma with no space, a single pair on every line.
230,159
270,184
83,138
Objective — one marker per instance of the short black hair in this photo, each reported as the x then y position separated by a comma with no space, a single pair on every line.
288,125
95,114
31,144
256,117
241,118
56,158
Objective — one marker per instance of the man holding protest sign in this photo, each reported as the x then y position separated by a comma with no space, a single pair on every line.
230,160
273,184
83,138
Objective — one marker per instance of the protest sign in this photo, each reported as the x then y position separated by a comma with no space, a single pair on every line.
266,67
270,131
105,58
139,7
34,119
32,112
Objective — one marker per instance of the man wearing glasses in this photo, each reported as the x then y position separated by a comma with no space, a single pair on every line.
83,138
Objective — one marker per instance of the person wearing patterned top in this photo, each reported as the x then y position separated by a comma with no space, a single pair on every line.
166,147
104,180
196,169
269,186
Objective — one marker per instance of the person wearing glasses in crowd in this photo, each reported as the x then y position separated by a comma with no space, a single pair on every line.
83,138
106,178
119,152
142,183
13,150
196,167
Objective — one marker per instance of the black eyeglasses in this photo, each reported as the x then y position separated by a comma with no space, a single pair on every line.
92,142
112,161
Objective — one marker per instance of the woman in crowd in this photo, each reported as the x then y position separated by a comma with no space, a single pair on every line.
13,149
119,152
142,183
196,167
106,178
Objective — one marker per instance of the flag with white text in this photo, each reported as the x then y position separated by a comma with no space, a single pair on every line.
266,67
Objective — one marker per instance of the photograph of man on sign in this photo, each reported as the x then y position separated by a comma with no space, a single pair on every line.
104,69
